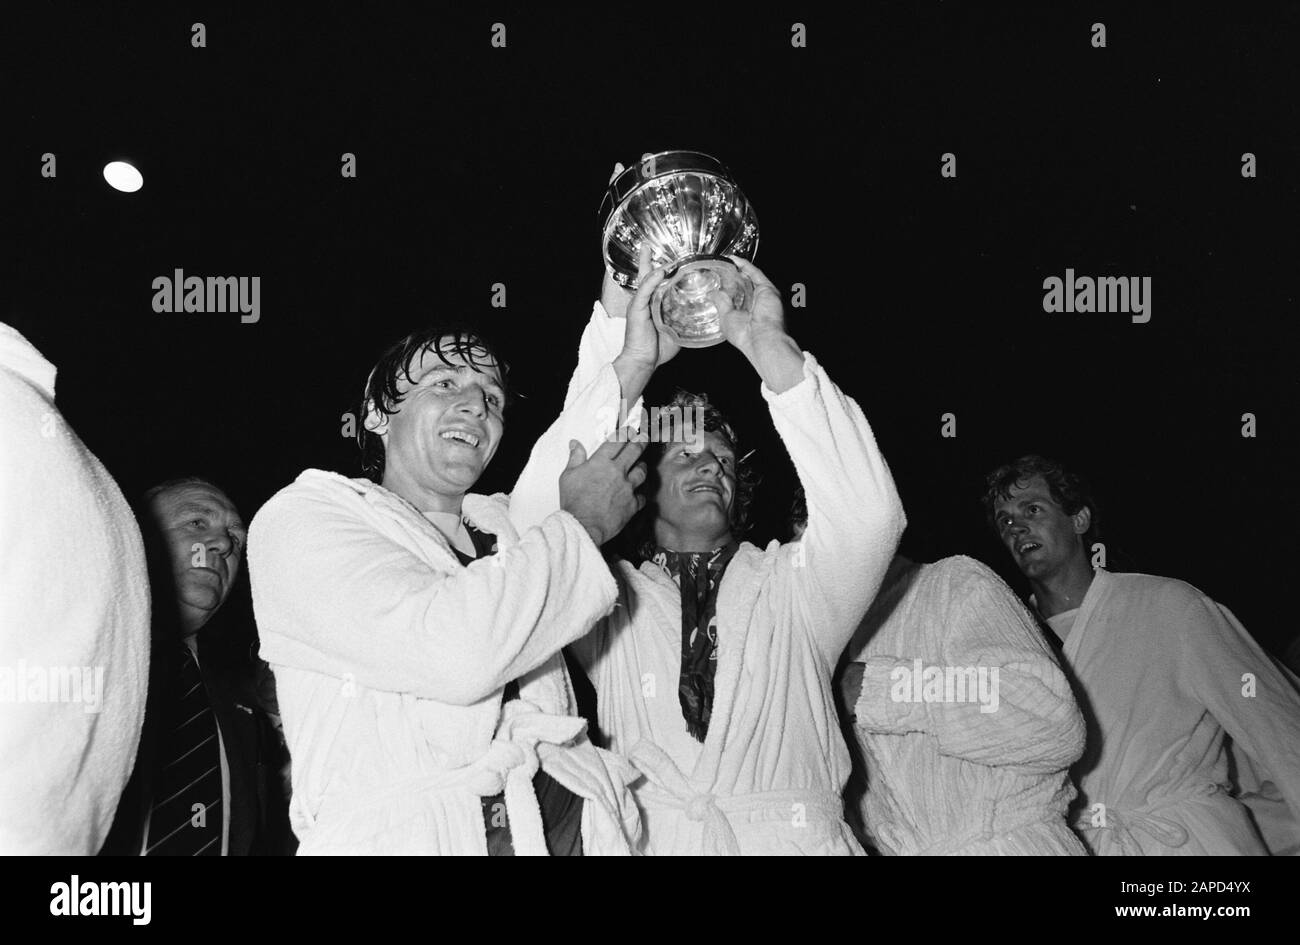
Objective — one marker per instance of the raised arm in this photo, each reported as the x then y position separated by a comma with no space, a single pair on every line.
855,517
589,417
334,596
618,353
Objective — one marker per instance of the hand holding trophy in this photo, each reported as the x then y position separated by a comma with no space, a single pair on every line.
643,342
763,323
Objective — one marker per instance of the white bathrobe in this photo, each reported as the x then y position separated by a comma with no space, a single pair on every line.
768,777
949,777
74,609
390,660
1163,675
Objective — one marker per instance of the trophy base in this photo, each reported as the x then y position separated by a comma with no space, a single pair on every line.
684,307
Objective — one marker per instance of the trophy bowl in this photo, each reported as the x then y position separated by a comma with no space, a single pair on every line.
691,211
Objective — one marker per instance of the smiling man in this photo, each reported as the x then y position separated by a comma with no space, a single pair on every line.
415,634
690,529
1168,681
713,673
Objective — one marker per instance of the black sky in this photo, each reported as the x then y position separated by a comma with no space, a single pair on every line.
479,165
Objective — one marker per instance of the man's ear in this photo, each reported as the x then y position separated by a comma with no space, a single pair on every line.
375,422
1082,520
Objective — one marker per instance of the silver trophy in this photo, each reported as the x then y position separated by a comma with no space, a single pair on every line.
691,211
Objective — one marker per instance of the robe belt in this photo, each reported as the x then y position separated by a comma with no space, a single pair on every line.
675,792
990,828
508,767
1163,830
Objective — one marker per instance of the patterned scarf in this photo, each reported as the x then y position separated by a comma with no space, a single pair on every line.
698,574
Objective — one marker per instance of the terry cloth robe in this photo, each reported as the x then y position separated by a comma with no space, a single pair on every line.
768,777
390,659
1160,672
946,777
74,609
1273,818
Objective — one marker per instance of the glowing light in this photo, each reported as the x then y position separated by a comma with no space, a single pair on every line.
122,176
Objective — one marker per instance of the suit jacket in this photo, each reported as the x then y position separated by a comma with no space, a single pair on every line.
254,755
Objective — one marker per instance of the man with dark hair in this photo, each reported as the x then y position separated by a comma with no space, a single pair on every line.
1164,676
713,675
415,634
1046,555
384,388
206,776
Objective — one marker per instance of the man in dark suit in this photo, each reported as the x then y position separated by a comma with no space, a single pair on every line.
207,775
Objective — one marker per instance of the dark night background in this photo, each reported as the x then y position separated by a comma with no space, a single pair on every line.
479,165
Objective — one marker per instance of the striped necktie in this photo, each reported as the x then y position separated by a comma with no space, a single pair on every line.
191,754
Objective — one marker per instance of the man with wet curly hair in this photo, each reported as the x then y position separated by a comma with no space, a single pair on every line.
713,672
415,634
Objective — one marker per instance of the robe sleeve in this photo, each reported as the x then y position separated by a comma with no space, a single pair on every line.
1255,700
590,414
855,517
588,650
332,595
601,342
1033,722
